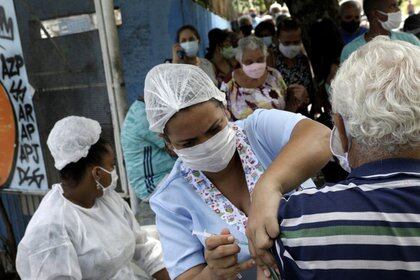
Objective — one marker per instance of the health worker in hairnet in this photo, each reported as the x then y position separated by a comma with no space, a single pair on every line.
83,229
202,207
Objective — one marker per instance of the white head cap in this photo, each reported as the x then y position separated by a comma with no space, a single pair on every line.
171,87
71,138
274,6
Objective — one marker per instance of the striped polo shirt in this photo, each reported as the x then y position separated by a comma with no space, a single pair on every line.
367,227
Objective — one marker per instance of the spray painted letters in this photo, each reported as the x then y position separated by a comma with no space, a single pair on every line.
22,164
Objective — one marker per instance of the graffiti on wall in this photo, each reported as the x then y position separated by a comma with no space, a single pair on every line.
21,161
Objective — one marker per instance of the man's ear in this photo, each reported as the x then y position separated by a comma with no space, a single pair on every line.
380,16
339,123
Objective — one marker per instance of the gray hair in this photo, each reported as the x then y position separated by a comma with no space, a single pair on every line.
250,42
377,91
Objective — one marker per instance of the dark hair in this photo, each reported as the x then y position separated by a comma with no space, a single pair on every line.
288,24
74,172
372,5
216,38
326,47
187,27
412,22
265,25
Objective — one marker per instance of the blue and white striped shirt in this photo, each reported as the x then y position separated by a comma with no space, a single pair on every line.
367,227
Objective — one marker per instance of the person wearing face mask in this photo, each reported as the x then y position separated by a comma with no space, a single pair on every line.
185,50
350,12
202,207
290,60
266,31
245,25
384,16
255,19
364,227
83,229
255,85
221,53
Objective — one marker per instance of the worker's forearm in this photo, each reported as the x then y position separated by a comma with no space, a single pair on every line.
192,274
305,154
162,275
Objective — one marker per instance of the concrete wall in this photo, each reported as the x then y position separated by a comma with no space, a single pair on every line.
148,32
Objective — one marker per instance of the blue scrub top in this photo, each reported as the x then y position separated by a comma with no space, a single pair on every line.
361,41
180,210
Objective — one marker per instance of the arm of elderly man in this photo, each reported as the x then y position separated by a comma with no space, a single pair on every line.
284,174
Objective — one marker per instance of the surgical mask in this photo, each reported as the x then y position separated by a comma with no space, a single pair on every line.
268,40
350,26
255,70
337,149
393,22
112,185
229,52
290,51
213,155
191,48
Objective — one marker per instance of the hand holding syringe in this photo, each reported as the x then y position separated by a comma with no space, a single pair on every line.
233,240
221,254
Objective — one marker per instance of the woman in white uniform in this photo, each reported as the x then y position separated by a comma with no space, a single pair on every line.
210,187
82,228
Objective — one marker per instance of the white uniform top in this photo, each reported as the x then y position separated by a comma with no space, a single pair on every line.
66,241
208,67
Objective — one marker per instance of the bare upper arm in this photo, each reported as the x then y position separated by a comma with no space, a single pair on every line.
306,152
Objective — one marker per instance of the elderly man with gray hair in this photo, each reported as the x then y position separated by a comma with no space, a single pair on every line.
368,226
257,86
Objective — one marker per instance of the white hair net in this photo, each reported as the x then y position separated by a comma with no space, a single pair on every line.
171,87
275,5
71,138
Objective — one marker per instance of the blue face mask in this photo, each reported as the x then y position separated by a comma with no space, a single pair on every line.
268,40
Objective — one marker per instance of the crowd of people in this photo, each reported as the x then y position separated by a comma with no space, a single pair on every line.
225,148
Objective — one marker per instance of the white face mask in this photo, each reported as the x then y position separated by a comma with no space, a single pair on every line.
191,48
337,149
112,185
213,155
268,40
290,51
393,22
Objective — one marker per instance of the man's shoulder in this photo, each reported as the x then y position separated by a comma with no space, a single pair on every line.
352,47
407,37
